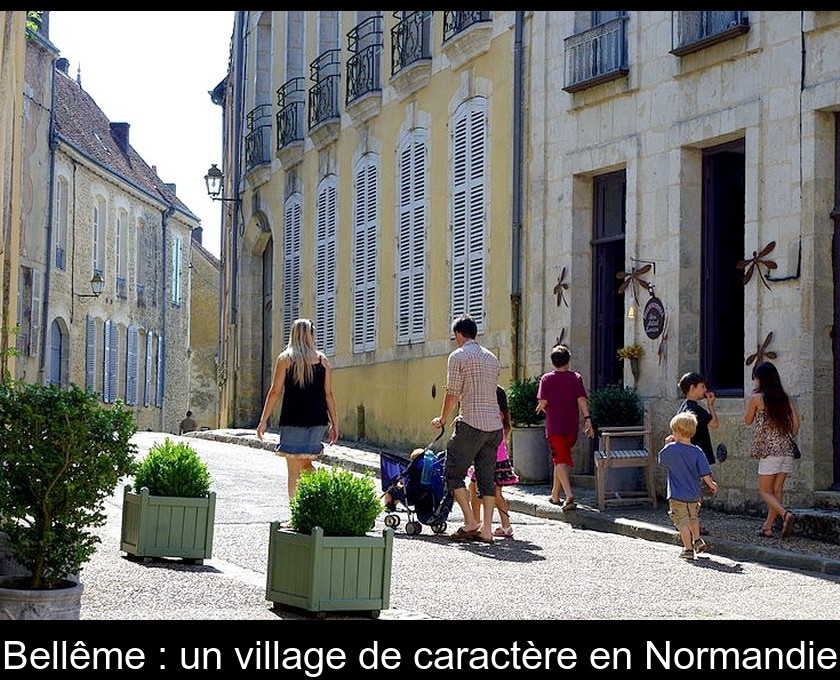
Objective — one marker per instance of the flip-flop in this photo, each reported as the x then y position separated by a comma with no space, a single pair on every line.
765,533
478,538
463,535
553,502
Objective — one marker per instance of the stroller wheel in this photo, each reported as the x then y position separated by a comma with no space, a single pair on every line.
392,521
413,528
439,528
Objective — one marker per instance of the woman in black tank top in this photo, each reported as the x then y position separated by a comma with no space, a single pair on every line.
302,381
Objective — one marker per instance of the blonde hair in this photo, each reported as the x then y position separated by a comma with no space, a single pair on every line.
300,348
684,424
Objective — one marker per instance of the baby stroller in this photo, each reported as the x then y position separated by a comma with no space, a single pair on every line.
418,485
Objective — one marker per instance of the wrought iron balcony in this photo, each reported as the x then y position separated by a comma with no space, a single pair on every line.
692,31
325,71
459,20
410,40
596,55
258,139
364,68
291,100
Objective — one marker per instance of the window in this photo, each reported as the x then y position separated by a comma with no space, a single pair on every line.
325,263
147,387
468,206
29,311
121,252
176,270
159,372
291,264
59,349
365,229
140,262
62,208
412,183
90,353
99,217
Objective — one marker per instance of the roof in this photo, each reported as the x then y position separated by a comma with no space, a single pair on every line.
84,126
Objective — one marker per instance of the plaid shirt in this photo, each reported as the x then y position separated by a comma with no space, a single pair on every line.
472,373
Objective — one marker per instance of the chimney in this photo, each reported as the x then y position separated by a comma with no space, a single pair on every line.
119,131
63,65
171,188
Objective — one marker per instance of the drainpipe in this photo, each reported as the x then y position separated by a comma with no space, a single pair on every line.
516,203
45,297
164,222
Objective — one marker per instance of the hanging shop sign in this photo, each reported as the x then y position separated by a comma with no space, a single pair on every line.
653,318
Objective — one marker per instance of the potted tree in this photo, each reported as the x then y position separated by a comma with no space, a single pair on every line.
61,455
529,448
327,560
170,510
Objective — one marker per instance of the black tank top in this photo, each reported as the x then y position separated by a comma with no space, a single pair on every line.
305,406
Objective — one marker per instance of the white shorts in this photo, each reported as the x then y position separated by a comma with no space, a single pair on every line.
773,465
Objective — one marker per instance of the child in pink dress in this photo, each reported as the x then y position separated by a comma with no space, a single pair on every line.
504,474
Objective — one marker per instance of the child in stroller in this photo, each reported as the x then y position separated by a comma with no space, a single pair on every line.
418,484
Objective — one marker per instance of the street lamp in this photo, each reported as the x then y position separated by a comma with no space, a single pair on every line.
213,180
97,283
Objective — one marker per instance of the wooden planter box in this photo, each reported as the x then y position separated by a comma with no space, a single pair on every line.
329,573
168,526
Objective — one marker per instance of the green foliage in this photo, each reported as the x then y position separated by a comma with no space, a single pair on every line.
61,455
171,469
522,402
615,406
340,502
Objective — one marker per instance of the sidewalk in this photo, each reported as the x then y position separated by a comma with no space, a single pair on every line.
729,535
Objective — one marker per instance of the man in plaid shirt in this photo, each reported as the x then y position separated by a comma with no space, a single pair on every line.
472,373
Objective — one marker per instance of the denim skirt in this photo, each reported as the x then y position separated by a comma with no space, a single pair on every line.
301,442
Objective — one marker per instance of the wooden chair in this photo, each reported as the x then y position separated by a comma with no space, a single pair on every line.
607,458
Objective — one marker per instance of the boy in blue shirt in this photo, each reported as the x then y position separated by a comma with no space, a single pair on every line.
687,470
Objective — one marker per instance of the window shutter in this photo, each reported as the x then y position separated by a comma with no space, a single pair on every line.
55,354
325,245
106,365
364,256
90,352
35,314
147,388
411,240
131,365
469,210
114,360
291,264
176,271
159,391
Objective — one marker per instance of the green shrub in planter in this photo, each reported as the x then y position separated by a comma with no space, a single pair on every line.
340,502
61,455
615,406
522,402
173,469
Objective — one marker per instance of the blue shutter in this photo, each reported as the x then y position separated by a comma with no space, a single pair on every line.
131,365
90,352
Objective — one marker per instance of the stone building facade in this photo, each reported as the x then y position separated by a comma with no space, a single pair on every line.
94,209
586,167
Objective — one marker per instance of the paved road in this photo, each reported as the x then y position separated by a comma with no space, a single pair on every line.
550,570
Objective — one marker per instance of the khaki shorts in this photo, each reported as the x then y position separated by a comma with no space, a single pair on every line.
682,513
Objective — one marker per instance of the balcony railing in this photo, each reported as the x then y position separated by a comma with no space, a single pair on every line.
258,139
695,30
459,20
410,40
596,55
364,68
291,100
325,71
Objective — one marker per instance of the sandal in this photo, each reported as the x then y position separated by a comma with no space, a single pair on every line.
765,533
553,502
501,532
787,524
463,534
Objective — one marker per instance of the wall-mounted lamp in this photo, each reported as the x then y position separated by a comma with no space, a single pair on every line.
213,180
97,283
631,311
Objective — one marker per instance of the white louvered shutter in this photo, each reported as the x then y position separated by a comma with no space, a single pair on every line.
365,230
469,175
325,252
35,313
114,360
106,365
90,352
411,239
147,387
291,264
131,365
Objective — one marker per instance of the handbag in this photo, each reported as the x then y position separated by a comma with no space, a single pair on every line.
797,454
